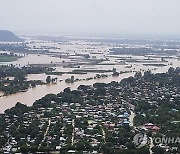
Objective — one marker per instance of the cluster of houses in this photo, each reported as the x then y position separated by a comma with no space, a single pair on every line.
54,123
65,123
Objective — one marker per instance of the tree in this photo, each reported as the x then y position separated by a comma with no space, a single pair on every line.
87,56
72,78
138,75
20,78
170,70
48,79
157,150
83,145
147,74
24,148
115,73
107,148
67,90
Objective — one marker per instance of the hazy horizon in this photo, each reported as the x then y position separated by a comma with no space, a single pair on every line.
106,17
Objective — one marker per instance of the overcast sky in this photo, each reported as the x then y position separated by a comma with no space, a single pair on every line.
154,17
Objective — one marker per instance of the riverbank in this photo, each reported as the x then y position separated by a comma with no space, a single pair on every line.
39,91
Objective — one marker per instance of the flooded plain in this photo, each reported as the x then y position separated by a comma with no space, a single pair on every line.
96,52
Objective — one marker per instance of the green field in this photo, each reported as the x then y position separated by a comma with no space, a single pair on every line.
8,58
54,73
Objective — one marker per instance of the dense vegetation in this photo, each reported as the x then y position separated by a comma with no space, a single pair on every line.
5,57
13,79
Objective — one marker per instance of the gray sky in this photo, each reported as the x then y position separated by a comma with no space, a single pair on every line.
153,17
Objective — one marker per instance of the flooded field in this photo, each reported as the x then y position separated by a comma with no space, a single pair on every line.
71,53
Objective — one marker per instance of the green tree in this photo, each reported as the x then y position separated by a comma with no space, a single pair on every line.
24,148
48,79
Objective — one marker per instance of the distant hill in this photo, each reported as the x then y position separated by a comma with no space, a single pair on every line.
7,36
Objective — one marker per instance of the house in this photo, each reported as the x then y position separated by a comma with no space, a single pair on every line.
152,127
125,122
58,147
155,128
72,151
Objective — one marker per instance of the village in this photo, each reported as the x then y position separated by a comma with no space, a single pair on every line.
102,118
89,77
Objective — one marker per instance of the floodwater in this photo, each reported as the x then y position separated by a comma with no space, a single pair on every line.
38,92
34,59
32,94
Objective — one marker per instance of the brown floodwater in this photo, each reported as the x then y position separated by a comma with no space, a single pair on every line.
32,94
39,91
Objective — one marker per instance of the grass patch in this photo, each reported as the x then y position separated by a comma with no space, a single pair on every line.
8,58
54,73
